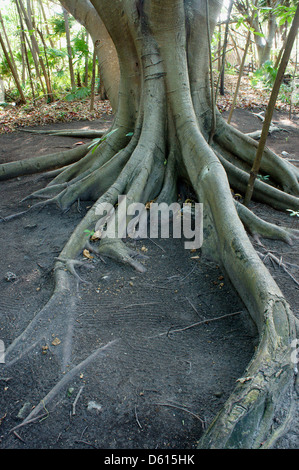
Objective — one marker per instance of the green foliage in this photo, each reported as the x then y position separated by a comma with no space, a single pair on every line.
58,24
80,47
284,13
264,178
56,53
265,75
4,68
79,94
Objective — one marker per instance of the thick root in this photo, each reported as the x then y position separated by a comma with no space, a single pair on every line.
248,415
261,405
260,228
245,148
262,192
117,250
38,411
90,134
43,163
40,329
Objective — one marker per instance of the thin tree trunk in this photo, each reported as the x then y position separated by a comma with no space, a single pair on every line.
2,91
29,69
269,113
45,51
93,79
36,49
69,48
219,48
294,85
8,46
86,61
236,48
241,69
23,52
13,70
224,47
211,74
46,23
30,48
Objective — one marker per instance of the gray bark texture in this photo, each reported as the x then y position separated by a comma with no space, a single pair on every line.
164,113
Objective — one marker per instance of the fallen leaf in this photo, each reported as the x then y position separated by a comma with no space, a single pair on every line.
56,342
87,254
96,236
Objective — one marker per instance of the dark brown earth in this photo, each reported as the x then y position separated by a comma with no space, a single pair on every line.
151,388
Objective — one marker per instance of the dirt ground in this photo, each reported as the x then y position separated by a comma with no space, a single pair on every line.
151,387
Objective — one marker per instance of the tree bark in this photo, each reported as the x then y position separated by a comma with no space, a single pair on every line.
269,112
69,48
161,134
13,70
84,12
222,71
36,50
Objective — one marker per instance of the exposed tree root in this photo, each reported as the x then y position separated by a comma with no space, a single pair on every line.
90,134
260,228
280,263
263,192
244,147
256,135
139,172
248,416
43,163
170,134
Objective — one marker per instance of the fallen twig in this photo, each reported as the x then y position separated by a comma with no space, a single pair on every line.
85,442
208,320
280,264
182,409
161,248
137,420
76,400
19,437
32,420
194,308
188,274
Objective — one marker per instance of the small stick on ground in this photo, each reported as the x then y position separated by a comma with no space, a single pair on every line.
208,320
183,409
19,437
155,243
194,308
136,416
76,400
280,264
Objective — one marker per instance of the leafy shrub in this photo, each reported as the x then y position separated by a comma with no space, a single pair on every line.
265,75
79,94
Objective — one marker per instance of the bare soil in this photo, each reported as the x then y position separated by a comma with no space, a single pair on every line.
152,388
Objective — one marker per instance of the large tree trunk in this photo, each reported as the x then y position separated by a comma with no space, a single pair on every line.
165,101
85,14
